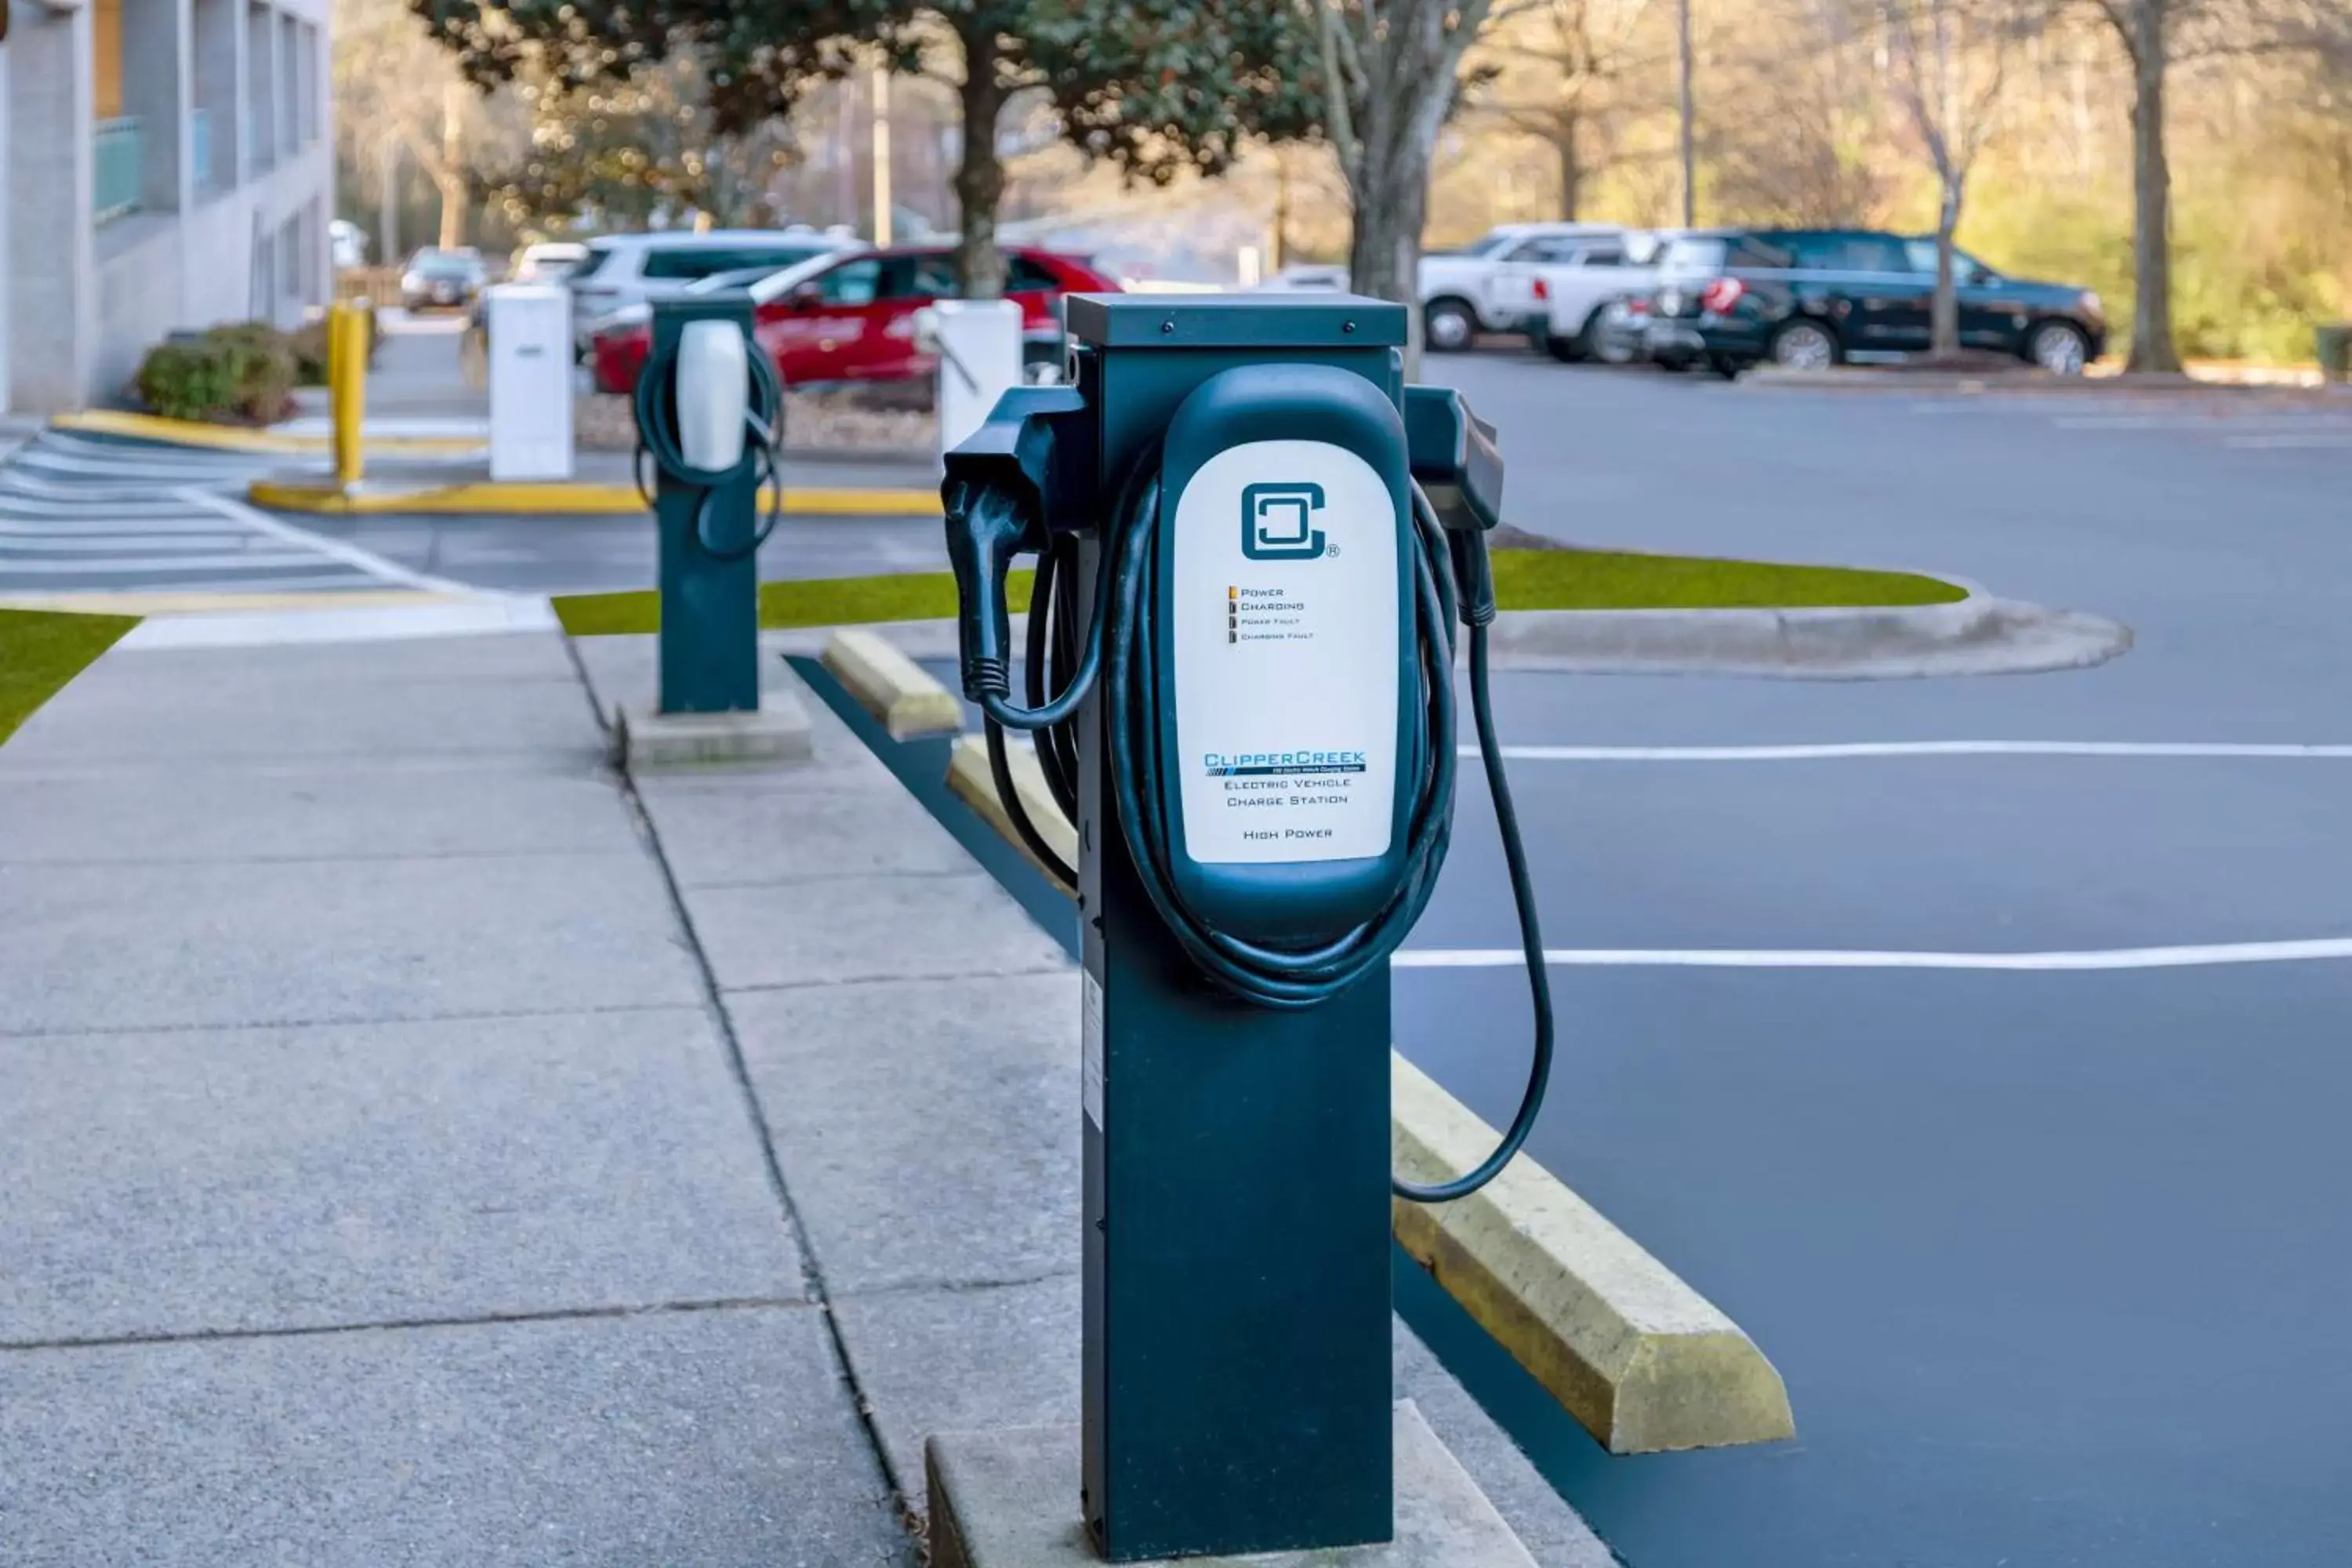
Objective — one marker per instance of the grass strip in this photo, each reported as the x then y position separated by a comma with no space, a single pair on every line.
1523,580
40,651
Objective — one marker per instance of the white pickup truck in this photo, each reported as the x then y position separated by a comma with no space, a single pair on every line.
1560,295
1487,285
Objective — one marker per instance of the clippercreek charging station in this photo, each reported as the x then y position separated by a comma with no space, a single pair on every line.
1253,543
709,413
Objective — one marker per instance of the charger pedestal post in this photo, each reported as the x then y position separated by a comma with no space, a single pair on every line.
710,707
1237,1386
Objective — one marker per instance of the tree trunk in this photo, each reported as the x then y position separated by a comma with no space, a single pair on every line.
450,177
1391,195
452,187
1571,162
980,178
387,212
2151,347
1944,318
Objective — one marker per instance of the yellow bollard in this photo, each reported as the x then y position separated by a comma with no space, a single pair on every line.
347,363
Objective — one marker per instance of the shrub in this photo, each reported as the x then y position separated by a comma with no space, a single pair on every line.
309,346
245,370
193,380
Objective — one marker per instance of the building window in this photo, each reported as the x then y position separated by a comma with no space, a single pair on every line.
289,86
118,152
308,74
290,267
260,91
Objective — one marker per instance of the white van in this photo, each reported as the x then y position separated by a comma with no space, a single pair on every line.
638,269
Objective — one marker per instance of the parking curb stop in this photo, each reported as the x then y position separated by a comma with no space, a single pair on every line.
1645,1363
970,780
893,687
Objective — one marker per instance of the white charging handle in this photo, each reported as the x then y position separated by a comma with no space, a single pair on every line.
714,393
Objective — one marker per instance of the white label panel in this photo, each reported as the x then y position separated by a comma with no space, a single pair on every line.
1285,600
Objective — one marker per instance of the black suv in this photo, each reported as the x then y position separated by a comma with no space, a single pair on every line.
1811,298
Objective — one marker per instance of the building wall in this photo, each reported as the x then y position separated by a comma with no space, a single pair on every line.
232,224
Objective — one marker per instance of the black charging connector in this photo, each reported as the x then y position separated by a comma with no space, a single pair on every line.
1026,474
1457,466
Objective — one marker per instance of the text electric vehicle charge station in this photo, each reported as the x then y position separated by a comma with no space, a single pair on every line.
1254,543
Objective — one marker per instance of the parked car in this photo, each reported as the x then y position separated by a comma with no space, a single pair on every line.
348,242
625,270
1808,299
1564,296
1473,290
1617,334
551,261
1305,277
443,279
850,318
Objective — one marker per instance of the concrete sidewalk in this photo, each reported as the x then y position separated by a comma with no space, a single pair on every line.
420,1147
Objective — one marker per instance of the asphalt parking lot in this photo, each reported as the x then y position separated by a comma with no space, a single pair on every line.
1989,1078
1977,1044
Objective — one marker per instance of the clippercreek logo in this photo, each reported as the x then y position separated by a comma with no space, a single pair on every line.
1278,522
1250,764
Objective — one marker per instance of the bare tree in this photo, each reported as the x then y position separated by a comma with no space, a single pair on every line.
2157,36
1566,75
1951,60
1806,146
1392,68
394,88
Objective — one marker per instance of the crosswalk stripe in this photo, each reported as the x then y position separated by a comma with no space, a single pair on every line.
366,560
80,515
138,565
36,459
126,544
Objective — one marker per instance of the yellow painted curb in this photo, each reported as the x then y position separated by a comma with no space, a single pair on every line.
1645,1363
891,686
971,781
519,498
152,605
237,438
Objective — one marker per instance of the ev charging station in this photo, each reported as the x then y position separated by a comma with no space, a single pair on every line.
977,343
1253,542
530,381
710,412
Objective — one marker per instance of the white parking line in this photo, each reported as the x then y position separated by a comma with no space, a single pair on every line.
1766,958
350,555
2294,441
1839,750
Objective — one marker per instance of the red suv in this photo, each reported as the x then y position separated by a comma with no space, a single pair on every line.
851,317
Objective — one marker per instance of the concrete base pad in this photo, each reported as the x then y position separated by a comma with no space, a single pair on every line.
1009,1499
777,734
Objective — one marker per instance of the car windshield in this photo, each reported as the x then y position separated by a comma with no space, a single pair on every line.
1486,244
1921,254
776,285
1692,256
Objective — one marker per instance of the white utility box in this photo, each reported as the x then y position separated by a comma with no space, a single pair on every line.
530,381
979,345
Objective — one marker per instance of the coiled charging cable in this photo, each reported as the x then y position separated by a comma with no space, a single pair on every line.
655,404
1059,671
